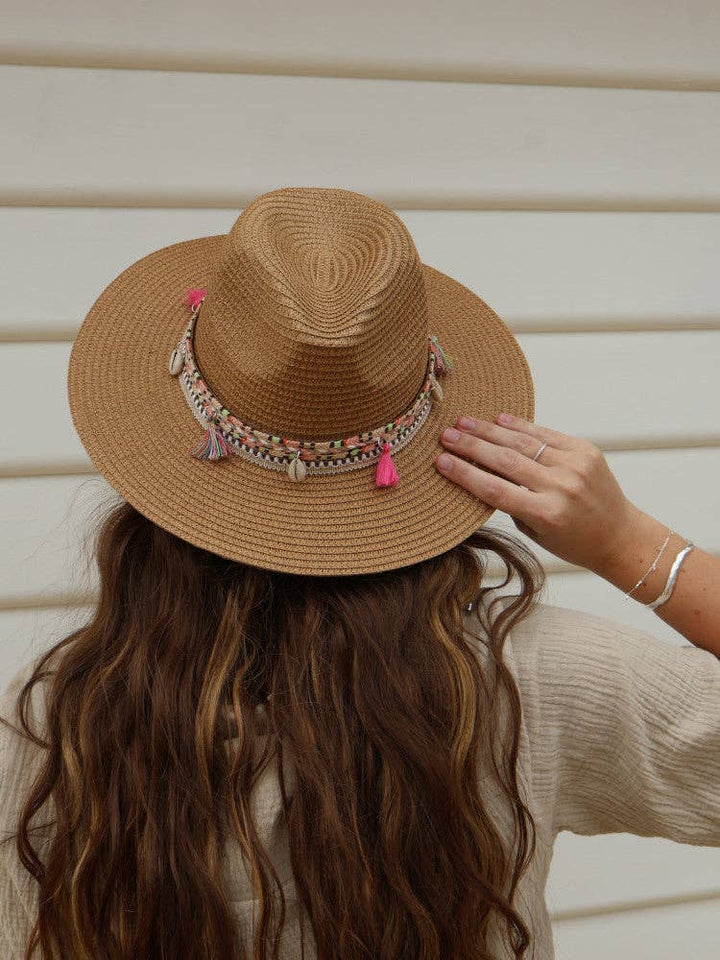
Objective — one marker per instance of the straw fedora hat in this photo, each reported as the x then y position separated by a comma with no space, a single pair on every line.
275,394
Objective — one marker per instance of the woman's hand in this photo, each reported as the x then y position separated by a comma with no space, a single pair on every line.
568,501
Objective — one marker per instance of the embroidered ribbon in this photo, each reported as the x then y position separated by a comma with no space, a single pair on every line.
226,433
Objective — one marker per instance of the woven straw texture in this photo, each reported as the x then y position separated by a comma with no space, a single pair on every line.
315,326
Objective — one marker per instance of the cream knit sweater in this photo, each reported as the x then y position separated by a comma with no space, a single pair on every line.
621,733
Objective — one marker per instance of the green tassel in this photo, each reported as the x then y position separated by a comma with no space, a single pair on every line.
443,360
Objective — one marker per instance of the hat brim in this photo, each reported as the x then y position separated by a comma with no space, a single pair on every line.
137,429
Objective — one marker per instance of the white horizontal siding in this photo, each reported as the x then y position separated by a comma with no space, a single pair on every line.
688,930
139,137
557,41
610,870
567,209
561,270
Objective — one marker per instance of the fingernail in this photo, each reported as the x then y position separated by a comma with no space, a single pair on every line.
468,422
445,462
451,434
504,418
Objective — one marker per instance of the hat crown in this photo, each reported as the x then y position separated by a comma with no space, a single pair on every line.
315,319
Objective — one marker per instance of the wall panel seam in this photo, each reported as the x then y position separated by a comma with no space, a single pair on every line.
654,903
192,63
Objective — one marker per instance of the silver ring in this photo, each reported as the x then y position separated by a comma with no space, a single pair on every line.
539,451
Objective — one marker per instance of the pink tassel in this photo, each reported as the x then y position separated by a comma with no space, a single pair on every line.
195,297
213,445
386,475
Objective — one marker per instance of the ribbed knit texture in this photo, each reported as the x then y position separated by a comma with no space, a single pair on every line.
621,733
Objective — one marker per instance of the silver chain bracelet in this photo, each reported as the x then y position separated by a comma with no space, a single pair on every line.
643,579
672,576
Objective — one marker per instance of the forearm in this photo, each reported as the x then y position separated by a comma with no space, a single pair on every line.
694,606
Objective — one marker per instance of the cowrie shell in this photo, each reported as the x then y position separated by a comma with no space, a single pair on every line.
176,362
436,390
297,470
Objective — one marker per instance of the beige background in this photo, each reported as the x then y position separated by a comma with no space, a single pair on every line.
560,158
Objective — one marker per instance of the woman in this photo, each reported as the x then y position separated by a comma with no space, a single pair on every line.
296,723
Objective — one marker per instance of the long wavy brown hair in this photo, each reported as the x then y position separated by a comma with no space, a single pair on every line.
377,693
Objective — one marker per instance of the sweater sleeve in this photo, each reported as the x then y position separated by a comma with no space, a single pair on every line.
624,728
19,762
15,922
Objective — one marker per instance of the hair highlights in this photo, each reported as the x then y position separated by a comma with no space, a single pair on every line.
379,697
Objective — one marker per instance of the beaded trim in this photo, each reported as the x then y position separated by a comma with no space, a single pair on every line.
227,433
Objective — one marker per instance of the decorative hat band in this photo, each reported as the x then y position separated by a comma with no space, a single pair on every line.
225,433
